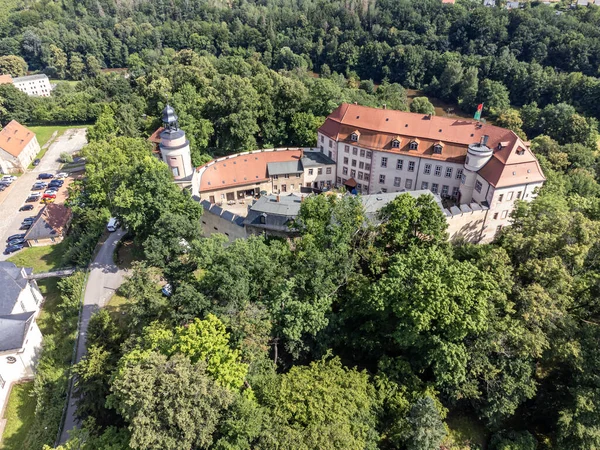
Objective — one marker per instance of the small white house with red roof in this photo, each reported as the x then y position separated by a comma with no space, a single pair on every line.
18,147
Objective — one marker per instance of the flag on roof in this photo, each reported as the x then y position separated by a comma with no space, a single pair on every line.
477,115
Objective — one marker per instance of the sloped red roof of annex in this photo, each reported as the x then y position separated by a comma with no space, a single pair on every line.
14,137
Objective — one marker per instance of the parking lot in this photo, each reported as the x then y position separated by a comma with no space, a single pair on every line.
15,196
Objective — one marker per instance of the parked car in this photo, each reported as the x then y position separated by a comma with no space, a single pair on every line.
26,208
2,187
50,191
62,175
57,183
8,178
15,236
29,219
45,176
32,198
38,187
113,224
25,226
36,162
16,242
167,290
49,196
47,200
79,159
5,183
13,248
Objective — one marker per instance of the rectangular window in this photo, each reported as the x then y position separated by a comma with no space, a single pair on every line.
284,187
459,173
330,143
344,171
384,190
397,181
353,163
360,175
367,167
359,187
354,151
383,161
411,166
287,175
455,192
330,155
509,196
504,214
381,179
438,171
448,172
175,171
310,171
345,160
346,149
424,185
339,181
399,164
498,229
328,171
366,176
434,188
361,165
445,190
495,216
500,197
463,179
320,171
427,169
362,153
368,154
519,195
408,184
478,186
353,173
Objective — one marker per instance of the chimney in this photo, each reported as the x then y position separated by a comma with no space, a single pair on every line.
484,139
384,106
301,153
356,103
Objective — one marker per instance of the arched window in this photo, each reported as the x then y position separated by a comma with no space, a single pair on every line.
395,143
437,148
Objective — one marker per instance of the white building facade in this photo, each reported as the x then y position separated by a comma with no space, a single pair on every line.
34,85
18,147
485,167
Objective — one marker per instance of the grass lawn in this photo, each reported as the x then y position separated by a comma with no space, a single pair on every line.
116,309
439,105
42,259
19,416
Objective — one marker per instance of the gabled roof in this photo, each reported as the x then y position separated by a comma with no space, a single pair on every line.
13,330
51,222
39,76
380,126
12,281
277,211
155,137
14,137
284,167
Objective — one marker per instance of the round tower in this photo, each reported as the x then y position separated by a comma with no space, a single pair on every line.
174,147
477,156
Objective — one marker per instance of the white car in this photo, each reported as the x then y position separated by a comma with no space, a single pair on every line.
8,178
34,194
62,175
113,224
50,191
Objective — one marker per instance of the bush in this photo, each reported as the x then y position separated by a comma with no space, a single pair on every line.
66,157
513,440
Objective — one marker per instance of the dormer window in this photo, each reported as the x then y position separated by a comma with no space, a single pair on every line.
354,136
437,148
395,143
520,151
414,144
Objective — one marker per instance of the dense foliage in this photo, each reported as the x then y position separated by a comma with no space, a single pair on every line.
358,334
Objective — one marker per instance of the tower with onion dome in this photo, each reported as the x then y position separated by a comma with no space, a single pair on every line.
174,147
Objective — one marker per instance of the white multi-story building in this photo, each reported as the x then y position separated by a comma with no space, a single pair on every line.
36,85
18,147
20,337
484,167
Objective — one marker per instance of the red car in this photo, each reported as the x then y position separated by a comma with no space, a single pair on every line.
49,196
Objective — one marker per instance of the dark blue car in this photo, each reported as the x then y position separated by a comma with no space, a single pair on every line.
13,248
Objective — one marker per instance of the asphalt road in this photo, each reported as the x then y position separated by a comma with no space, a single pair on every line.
103,280
14,197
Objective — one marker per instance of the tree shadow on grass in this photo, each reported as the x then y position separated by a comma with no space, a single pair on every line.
20,414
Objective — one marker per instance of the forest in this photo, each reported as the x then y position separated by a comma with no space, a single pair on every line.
356,335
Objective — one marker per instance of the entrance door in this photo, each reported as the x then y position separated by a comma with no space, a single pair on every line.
283,188
211,199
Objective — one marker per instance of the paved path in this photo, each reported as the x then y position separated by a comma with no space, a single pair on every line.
14,197
56,273
104,279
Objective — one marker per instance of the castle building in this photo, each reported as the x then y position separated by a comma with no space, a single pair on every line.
173,147
484,169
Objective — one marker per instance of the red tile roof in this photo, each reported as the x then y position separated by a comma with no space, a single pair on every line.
155,137
14,137
6,79
243,168
378,127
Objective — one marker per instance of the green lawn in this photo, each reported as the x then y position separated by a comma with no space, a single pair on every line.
466,432
44,133
19,416
42,259
116,309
